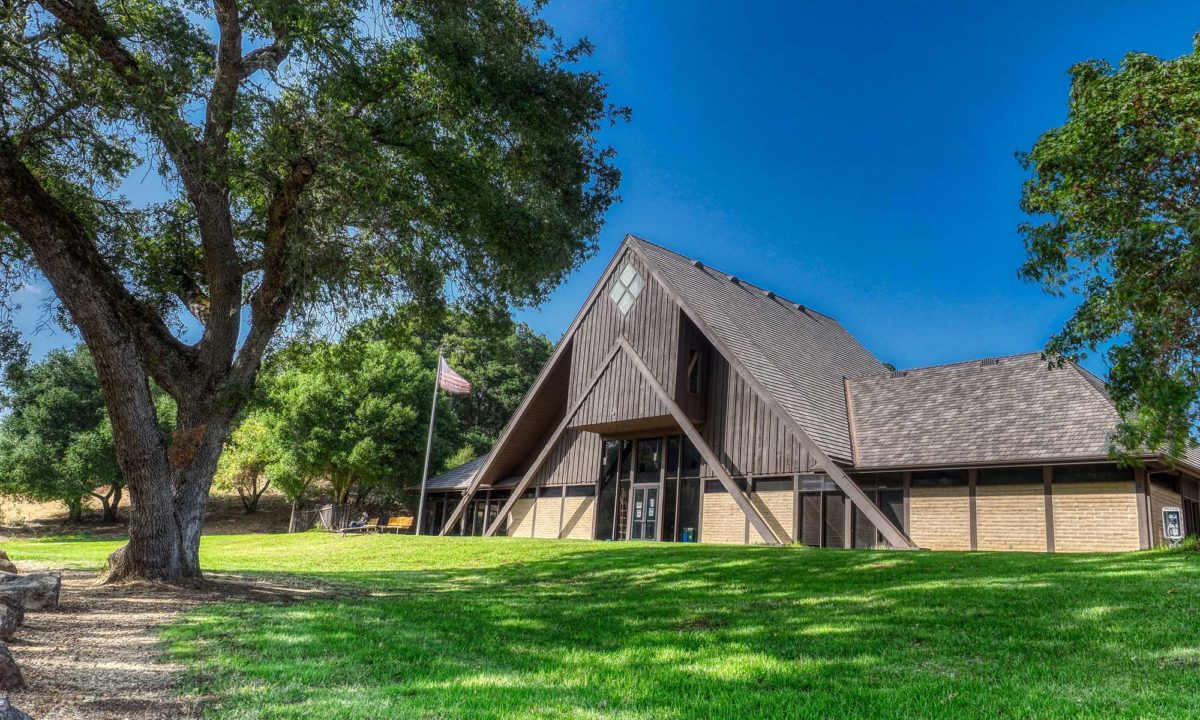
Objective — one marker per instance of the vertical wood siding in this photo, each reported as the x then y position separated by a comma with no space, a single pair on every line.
743,431
621,394
575,460
651,327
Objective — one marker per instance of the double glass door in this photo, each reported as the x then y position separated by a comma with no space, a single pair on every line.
649,489
643,523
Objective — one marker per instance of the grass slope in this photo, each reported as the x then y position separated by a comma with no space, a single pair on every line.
507,628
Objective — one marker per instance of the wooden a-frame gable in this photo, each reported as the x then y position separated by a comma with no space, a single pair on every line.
608,347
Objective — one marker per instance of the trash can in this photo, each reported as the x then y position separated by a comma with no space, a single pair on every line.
688,535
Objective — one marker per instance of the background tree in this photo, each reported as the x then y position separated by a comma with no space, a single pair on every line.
352,415
350,412
1115,201
56,441
314,155
250,460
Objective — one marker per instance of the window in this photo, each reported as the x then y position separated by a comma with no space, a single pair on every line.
695,372
1011,476
716,486
940,478
626,289
1091,474
773,485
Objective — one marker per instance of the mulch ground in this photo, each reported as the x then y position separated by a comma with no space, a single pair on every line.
98,655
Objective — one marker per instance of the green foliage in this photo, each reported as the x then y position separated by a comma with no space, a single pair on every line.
353,414
56,441
252,460
1114,197
350,412
428,142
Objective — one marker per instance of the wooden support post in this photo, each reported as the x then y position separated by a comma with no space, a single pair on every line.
1047,478
1141,490
972,484
698,442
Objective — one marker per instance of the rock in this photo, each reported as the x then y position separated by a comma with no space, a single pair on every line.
8,712
7,566
10,619
10,674
35,591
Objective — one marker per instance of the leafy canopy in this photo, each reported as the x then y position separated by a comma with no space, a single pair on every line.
354,413
56,441
1114,200
314,156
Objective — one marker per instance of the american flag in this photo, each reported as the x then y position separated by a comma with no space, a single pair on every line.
451,381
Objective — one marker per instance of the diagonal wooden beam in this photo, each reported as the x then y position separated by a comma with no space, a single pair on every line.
697,441
895,537
541,458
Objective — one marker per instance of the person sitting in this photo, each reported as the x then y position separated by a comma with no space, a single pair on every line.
358,522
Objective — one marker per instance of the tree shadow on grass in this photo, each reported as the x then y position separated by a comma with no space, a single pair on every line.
643,631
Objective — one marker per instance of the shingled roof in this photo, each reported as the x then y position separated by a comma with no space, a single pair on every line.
999,410
458,478
799,355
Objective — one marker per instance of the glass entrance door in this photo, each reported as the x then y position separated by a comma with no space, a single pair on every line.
643,522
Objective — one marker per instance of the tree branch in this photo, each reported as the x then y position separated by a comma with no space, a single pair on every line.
273,298
45,124
86,19
228,76
267,57
68,257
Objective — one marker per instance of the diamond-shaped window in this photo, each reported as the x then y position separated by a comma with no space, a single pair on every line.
627,288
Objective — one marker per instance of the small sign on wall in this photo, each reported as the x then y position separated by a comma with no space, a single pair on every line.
1172,520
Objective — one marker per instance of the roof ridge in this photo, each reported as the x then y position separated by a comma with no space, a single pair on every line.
741,281
955,363
1093,380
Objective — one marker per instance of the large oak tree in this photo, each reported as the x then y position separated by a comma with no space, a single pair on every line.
1114,196
316,159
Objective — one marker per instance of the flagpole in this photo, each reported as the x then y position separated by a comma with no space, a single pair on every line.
437,377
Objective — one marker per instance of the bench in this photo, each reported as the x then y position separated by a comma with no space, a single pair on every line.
398,524
371,526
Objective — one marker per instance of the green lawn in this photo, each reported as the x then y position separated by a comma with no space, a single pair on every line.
505,628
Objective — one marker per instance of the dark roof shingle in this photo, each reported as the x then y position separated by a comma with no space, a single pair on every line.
1003,410
800,356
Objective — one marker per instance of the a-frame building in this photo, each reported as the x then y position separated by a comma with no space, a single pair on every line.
686,404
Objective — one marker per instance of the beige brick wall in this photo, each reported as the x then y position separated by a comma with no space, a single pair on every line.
722,521
1095,517
547,517
777,509
520,523
1011,517
1161,497
577,518
940,518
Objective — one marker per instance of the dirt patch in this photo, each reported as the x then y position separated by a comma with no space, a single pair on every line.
224,516
99,656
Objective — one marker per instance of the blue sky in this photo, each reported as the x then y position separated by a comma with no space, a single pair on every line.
856,157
